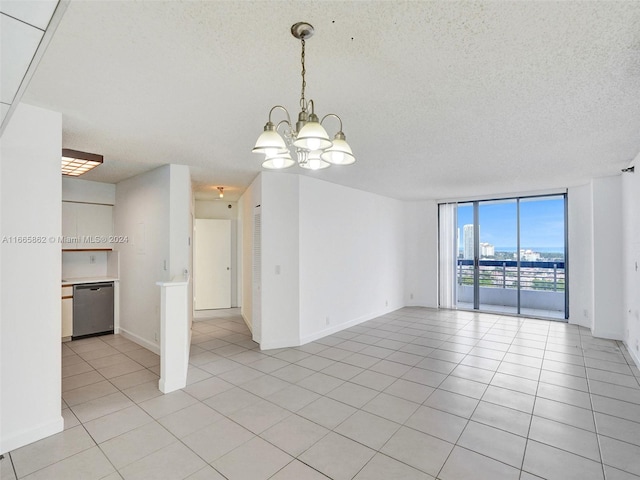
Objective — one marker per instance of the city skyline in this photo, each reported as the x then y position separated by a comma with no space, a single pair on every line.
541,224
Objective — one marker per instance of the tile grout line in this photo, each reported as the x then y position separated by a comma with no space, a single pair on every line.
593,413
533,408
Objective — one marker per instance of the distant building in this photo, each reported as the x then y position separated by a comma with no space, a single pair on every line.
487,250
468,242
529,255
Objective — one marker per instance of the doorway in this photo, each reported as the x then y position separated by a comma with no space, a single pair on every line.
509,255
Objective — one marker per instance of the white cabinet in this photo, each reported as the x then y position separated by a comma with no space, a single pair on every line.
67,312
86,225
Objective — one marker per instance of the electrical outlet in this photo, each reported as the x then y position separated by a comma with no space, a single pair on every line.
155,336
637,345
327,321
386,303
92,259
411,296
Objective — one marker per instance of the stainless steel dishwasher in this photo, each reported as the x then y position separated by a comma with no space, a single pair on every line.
92,309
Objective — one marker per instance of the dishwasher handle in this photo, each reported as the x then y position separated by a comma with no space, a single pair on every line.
93,286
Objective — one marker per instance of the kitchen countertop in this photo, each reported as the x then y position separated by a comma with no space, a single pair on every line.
78,280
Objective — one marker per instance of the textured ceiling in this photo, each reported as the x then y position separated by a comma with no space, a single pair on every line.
438,99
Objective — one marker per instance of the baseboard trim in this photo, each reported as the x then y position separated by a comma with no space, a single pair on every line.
633,354
155,348
296,342
25,437
292,342
609,335
342,326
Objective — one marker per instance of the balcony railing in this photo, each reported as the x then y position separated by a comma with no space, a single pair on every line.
542,276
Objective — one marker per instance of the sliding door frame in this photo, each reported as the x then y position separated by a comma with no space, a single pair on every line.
476,247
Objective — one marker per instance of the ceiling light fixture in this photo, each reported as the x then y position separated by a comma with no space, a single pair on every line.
75,163
309,140
221,190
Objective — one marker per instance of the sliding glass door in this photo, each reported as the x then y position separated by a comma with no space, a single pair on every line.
543,244
497,285
511,256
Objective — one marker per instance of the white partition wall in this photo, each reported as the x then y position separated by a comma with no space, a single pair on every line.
30,331
153,211
631,260
329,257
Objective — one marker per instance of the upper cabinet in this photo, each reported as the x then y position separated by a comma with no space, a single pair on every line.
87,226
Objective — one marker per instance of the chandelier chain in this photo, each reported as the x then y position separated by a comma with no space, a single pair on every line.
303,103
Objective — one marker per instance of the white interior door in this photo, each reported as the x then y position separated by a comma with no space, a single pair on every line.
212,264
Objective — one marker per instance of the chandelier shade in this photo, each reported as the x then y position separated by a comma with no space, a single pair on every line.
312,137
269,142
339,153
278,161
306,143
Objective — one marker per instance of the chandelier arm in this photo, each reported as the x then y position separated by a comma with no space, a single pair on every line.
285,111
310,103
283,122
332,115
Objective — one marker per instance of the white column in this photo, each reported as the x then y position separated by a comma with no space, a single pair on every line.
175,334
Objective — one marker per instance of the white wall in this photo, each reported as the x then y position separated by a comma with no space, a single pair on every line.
216,209
332,257
30,331
85,264
607,258
180,227
280,270
219,209
421,254
595,257
580,259
142,214
351,256
247,204
631,260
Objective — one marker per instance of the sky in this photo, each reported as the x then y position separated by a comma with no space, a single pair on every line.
541,223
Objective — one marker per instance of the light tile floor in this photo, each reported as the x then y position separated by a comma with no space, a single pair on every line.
416,394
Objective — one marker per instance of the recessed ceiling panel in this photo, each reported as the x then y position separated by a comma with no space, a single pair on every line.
4,109
19,42
37,13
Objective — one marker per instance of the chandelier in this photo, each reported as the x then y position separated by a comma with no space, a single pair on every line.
308,141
